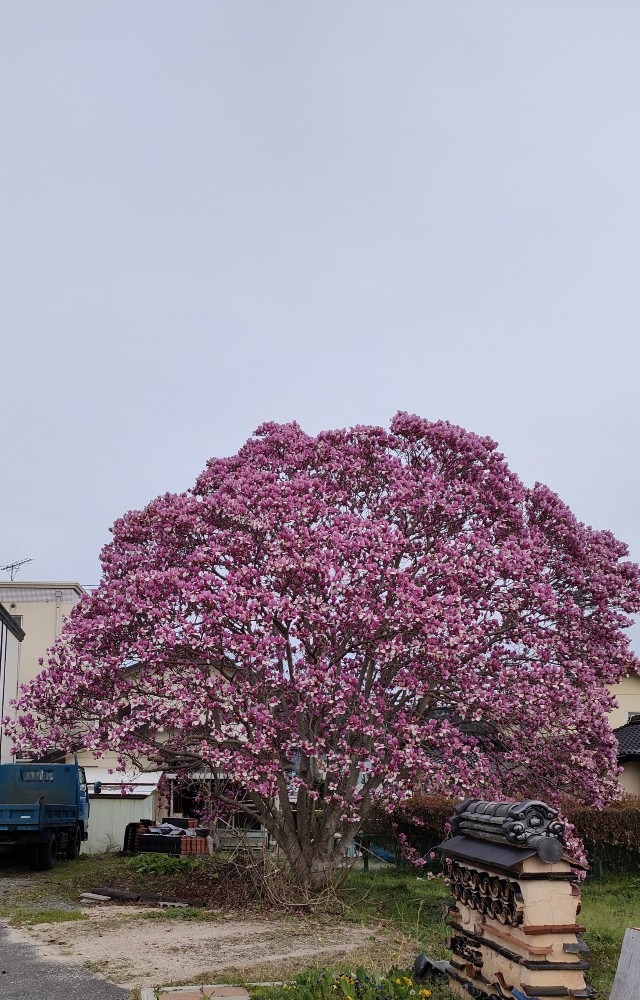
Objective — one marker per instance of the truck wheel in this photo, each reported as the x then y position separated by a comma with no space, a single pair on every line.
47,854
75,840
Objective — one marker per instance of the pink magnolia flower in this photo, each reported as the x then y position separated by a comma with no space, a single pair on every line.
334,621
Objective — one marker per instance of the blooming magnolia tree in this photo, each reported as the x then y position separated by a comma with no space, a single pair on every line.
329,622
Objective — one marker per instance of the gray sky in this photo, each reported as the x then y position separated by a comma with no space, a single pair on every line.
218,213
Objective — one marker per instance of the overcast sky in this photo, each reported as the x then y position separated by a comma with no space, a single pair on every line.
218,213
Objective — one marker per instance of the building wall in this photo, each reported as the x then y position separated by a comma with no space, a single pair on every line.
109,816
43,608
627,694
10,648
87,759
630,777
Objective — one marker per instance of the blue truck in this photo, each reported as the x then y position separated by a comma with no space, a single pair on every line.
44,811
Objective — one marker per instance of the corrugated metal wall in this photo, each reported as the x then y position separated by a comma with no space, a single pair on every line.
109,817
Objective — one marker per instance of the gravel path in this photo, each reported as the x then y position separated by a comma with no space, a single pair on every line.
25,975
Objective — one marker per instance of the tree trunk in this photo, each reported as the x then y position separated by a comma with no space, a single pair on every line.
306,835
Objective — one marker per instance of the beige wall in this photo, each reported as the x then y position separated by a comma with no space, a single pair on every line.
630,777
9,668
627,694
86,759
43,608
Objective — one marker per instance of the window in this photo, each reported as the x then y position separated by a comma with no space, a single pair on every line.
40,775
242,821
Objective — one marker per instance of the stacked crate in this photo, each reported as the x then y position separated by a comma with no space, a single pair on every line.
184,821
194,845
515,904
143,830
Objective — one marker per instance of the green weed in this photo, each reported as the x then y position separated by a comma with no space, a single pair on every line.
164,864
177,913
21,918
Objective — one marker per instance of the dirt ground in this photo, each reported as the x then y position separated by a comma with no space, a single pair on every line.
135,951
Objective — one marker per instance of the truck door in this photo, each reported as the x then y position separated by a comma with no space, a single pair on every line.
84,798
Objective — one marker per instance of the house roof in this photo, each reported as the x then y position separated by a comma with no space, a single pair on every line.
122,784
628,738
40,591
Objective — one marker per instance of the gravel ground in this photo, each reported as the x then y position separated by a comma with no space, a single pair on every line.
25,974
127,948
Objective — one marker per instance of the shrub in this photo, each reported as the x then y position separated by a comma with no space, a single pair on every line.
359,985
422,820
611,836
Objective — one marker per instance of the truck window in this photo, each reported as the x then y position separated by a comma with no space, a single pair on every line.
40,775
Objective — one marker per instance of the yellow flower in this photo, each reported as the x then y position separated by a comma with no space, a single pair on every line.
425,993
399,982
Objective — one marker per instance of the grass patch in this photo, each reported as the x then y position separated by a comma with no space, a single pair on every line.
65,882
185,878
609,906
178,913
404,914
412,905
436,991
22,917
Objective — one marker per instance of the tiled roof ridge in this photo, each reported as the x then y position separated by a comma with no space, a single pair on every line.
530,824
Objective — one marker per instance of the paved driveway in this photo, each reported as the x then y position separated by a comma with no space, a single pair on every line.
24,975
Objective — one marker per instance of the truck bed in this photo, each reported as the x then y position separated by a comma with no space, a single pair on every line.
15,816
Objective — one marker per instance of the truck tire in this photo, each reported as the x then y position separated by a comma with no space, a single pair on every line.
75,840
47,854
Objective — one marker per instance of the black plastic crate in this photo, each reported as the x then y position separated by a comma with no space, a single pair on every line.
154,843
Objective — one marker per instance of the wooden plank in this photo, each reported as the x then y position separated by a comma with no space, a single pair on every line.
127,897
512,939
625,985
553,929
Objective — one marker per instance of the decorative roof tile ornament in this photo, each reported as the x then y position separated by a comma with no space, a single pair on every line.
531,824
516,898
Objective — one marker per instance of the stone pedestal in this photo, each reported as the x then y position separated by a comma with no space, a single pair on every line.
514,916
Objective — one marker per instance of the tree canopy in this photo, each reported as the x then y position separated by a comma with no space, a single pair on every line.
353,615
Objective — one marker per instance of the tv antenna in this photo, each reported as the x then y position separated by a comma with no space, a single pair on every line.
12,568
